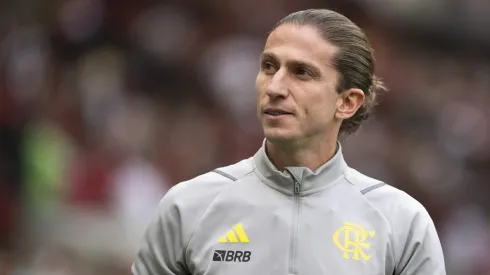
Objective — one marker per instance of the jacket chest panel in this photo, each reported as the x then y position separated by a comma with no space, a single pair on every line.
244,237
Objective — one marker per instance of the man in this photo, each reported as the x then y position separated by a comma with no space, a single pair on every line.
295,207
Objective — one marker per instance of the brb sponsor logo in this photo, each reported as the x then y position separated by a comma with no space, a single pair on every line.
231,256
236,235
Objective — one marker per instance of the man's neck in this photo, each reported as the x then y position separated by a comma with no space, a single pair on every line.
312,156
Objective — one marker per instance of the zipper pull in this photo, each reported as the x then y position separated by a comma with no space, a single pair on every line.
296,187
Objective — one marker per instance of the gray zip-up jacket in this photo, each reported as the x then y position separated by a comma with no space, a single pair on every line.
250,218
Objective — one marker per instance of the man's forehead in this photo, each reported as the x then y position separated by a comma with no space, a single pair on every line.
304,42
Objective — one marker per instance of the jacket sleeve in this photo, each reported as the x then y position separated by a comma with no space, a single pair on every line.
162,248
422,253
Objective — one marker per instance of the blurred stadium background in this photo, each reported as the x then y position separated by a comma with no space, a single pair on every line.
106,104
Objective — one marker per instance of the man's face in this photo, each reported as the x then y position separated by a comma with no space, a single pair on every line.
296,85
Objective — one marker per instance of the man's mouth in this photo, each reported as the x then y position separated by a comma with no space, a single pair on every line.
276,112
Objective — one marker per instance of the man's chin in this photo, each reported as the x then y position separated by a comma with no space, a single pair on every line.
278,136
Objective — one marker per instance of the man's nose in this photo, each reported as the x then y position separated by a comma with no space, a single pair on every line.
277,87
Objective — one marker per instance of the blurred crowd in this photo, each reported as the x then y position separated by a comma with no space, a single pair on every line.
104,105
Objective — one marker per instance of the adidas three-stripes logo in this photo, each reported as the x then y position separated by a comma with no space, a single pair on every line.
237,234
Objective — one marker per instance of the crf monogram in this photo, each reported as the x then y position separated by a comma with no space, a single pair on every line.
353,247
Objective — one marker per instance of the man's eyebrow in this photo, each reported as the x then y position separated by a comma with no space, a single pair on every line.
271,56
267,55
300,63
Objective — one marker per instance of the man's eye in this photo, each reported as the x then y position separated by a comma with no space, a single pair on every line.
303,72
267,66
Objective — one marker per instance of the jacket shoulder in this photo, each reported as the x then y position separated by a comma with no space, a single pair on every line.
237,170
193,196
203,188
384,196
391,201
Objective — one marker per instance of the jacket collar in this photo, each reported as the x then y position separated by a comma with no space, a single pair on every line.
309,181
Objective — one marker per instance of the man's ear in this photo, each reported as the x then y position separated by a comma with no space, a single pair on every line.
348,102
